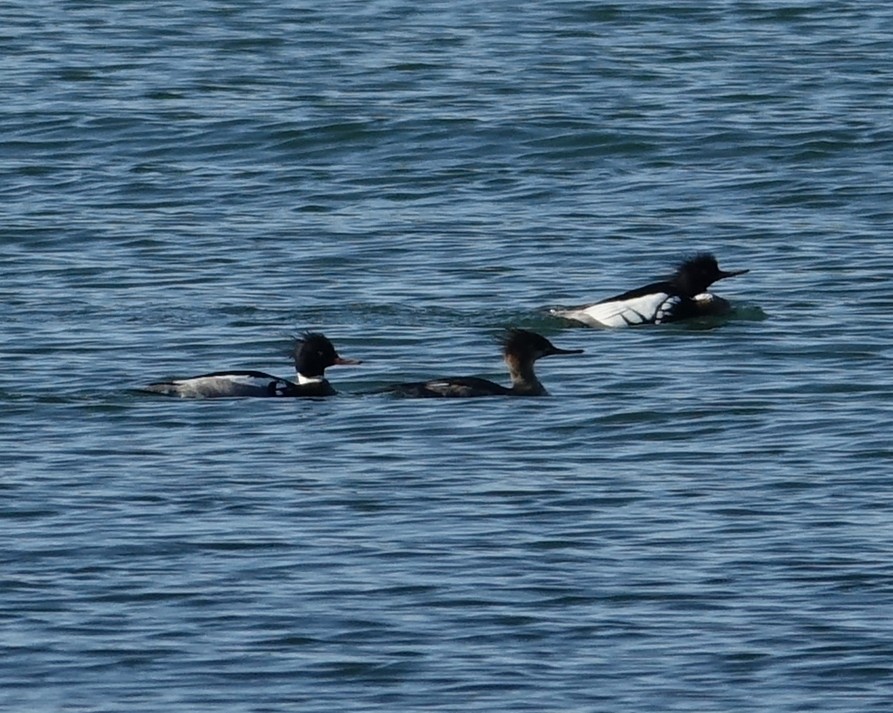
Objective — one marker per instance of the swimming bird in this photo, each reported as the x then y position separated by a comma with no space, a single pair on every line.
313,353
520,349
682,296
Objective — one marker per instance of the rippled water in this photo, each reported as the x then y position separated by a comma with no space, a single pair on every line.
699,519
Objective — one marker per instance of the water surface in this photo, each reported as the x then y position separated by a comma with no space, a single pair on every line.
697,520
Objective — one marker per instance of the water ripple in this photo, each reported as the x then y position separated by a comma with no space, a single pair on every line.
698,517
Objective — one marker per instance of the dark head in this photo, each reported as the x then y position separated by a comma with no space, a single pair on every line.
695,274
522,345
314,353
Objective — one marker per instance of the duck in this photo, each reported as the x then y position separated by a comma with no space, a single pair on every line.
682,296
313,354
520,349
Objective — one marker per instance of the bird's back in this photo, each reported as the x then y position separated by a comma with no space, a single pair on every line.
452,387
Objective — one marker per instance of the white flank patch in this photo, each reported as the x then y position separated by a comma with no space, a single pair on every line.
648,309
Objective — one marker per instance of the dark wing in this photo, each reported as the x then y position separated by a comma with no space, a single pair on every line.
226,384
453,387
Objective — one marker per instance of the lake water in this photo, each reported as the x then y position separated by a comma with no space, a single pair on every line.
698,519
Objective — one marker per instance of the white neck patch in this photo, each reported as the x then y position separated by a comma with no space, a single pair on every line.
310,379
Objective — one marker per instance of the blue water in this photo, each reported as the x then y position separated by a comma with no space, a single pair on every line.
700,518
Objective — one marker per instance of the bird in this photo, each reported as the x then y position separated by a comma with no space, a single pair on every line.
313,354
682,296
520,349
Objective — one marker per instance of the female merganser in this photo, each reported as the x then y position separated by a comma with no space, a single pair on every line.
520,350
313,353
683,296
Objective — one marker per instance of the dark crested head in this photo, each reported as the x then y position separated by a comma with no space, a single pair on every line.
314,353
529,346
696,273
